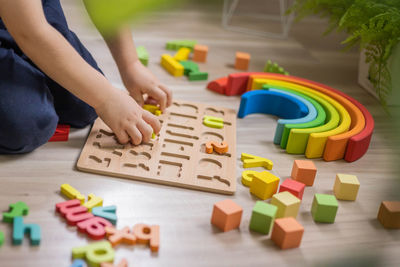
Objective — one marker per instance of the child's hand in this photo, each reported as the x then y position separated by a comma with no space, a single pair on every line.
139,81
126,118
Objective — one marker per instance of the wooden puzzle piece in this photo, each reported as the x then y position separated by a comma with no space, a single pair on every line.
122,263
107,213
152,109
213,122
247,177
251,161
94,227
117,237
73,212
78,263
146,234
171,65
143,55
95,253
16,210
93,201
220,148
20,229
71,193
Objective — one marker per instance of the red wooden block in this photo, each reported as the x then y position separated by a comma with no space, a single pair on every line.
218,85
73,211
294,187
94,227
61,133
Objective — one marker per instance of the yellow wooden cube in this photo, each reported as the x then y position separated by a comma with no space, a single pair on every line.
264,185
288,205
346,186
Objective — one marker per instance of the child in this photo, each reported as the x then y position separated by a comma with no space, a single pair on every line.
48,77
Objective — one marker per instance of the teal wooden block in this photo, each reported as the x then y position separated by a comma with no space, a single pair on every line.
143,55
78,263
1,238
107,213
16,210
189,66
198,76
324,208
262,217
19,230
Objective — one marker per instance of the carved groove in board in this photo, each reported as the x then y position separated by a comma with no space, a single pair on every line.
183,115
216,162
167,154
167,140
182,135
108,146
216,111
171,163
186,105
141,165
216,177
106,132
214,134
147,155
180,126
98,160
118,153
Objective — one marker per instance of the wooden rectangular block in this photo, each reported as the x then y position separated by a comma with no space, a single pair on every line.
171,65
242,61
182,54
1,238
304,171
226,215
288,205
294,187
346,187
287,233
389,214
198,76
143,55
324,208
262,217
200,53
264,185
176,157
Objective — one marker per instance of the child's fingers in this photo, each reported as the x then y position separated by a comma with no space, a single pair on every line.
145,129
134,134
122,137
168,92
160,96
138,98
152,121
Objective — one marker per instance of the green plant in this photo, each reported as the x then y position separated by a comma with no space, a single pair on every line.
374,24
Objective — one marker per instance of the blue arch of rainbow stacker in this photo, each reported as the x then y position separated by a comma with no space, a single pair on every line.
291,108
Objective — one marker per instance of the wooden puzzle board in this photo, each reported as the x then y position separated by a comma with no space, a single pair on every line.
175,157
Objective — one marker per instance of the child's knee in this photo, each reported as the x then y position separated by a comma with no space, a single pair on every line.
27,133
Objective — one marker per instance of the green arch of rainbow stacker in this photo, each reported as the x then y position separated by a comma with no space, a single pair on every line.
318,121
314,146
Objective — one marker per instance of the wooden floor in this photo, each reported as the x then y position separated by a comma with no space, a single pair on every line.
187,237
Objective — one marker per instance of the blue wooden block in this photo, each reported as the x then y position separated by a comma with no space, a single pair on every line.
19,230
312,114
107,213
78,263
273,103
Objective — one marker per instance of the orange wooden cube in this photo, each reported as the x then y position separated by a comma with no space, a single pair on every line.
287,233
304,171
242,61
200,53
389,214
226,215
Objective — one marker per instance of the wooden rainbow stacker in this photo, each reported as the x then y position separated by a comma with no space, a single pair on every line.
177,156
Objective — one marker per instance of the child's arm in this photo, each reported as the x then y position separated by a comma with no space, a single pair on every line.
136,77
49,50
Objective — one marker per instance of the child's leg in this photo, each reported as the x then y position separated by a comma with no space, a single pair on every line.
27,115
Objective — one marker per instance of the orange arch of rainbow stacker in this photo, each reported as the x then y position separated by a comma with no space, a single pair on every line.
357,141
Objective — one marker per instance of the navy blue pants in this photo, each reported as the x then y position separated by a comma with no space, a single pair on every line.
32,104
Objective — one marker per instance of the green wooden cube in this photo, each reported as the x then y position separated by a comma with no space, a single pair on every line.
189,66
324,208
262,217
198,76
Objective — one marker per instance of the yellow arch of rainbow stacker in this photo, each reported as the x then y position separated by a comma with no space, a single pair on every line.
317,140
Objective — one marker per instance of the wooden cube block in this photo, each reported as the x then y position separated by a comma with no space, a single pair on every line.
288,205
324,208
264,185
226,215
346,186
242,61
200,53
304,171
262,217
294,187
389,214
287,233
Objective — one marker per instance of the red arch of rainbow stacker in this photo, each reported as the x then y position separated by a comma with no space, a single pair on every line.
356,141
